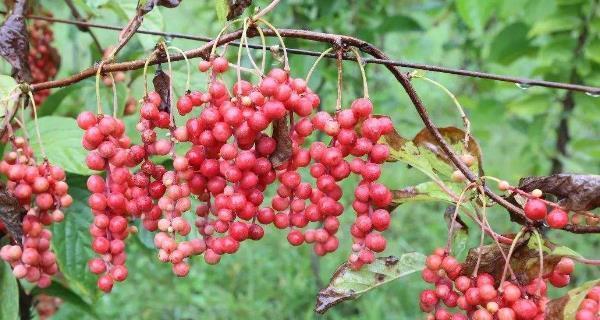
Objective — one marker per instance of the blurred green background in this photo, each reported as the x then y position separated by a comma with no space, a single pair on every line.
556,40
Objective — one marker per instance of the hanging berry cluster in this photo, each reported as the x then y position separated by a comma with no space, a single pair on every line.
589,309
482,296
43,57
240,140
42,191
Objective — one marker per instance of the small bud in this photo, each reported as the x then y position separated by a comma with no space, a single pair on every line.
503,185
537,193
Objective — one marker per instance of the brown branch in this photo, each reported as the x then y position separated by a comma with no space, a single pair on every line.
319,37
407,64
75,13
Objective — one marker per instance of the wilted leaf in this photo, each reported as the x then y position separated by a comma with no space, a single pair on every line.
161,82
565,307
424,154
346,284
11,214
145,6
576,192
236,8
9,293
14,43
524,261
281,134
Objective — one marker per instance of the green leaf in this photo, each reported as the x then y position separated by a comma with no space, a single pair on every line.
510,44
222,8
7,88
530,105
592,51
576,296
9,293
565,251
554,24
475,13
71,243
61,138
55,99
399,23
426,191
145,237
57,289
566,306
347,284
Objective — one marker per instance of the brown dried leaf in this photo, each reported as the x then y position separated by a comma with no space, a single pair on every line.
161,86
347,284
524,261
237,7
576,192
11,214
281,134
14,43
147,5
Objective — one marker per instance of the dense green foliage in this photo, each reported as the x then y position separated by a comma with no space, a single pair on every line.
552,39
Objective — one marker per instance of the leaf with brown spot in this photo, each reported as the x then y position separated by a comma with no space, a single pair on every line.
14,43
281,134
576,192
424,154
11,214
565,307
454,136
347,284
161,82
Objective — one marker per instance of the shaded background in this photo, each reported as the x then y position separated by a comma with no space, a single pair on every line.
517,129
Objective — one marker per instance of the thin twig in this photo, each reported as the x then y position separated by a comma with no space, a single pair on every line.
407,64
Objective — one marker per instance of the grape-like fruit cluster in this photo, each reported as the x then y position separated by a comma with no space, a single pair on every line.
42,191
589,309
482,297
43,57
229,162
115,198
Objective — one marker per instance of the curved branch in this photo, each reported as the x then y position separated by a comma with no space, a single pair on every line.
332,39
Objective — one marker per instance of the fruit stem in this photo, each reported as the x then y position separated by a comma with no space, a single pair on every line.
214,47
145,73
37,127
312,68
98,102
244,40
187,64
286,65
466,122
239,57
338,103
363,74
510,252
455,215
115,99
541,253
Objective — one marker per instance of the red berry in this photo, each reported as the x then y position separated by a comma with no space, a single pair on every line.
535,209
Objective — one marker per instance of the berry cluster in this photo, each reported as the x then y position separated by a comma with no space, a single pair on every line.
43,58
481,297
42,191
589,309
229,163
537,209
114,198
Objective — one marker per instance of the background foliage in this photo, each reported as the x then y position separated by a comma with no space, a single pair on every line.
552,39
